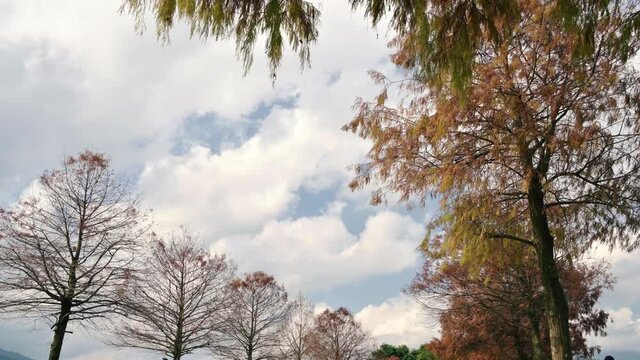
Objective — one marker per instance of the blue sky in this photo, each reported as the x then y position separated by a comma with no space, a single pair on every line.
259,170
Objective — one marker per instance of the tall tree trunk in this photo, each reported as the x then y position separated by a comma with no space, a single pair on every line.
177,344
60,328
177,352
555,299
536,342
519,344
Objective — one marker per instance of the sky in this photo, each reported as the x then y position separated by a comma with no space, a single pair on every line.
258,169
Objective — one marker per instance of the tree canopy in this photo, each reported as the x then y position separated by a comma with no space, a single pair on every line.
401,352
66,251
174,300
541,144
338,336
283,22
501,313
258,309
437,39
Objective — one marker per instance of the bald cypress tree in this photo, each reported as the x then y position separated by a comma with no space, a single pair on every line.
542,149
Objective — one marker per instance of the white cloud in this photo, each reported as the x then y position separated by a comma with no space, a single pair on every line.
625,267
621,319
622,304
241,188
76,75
399,320
318,253
319,308
623,331
117,86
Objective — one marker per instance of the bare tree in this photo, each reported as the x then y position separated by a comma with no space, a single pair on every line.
251,330
174,302
66,250
294,343
337,336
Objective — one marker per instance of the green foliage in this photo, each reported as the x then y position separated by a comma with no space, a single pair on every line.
424,354
436,39
401,352
439,39
290,22
581,17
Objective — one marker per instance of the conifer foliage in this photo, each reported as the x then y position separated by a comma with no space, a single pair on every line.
543,149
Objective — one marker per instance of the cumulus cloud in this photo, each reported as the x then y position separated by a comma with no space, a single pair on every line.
240,188
318,253
622,331
626,269
75,76
399,320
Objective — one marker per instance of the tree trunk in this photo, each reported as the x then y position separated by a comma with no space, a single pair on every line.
520,346
555,299
60,328
536,343
178,342
177,345
177,354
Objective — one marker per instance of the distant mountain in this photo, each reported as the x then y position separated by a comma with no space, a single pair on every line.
11,355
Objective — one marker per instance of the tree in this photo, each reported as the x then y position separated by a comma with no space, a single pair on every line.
534,70
66,250
442,37
542,150
500,312
295,334
337,336
291,21
441,40
386,352
251,326
401,352
173,304
423,353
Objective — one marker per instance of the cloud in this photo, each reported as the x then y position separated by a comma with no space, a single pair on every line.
623,331
622,304
318,253
626,269
75,76
240,188
399,320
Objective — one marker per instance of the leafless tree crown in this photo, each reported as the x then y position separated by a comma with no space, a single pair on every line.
66,249
174,302
337,336
259,307
296,333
